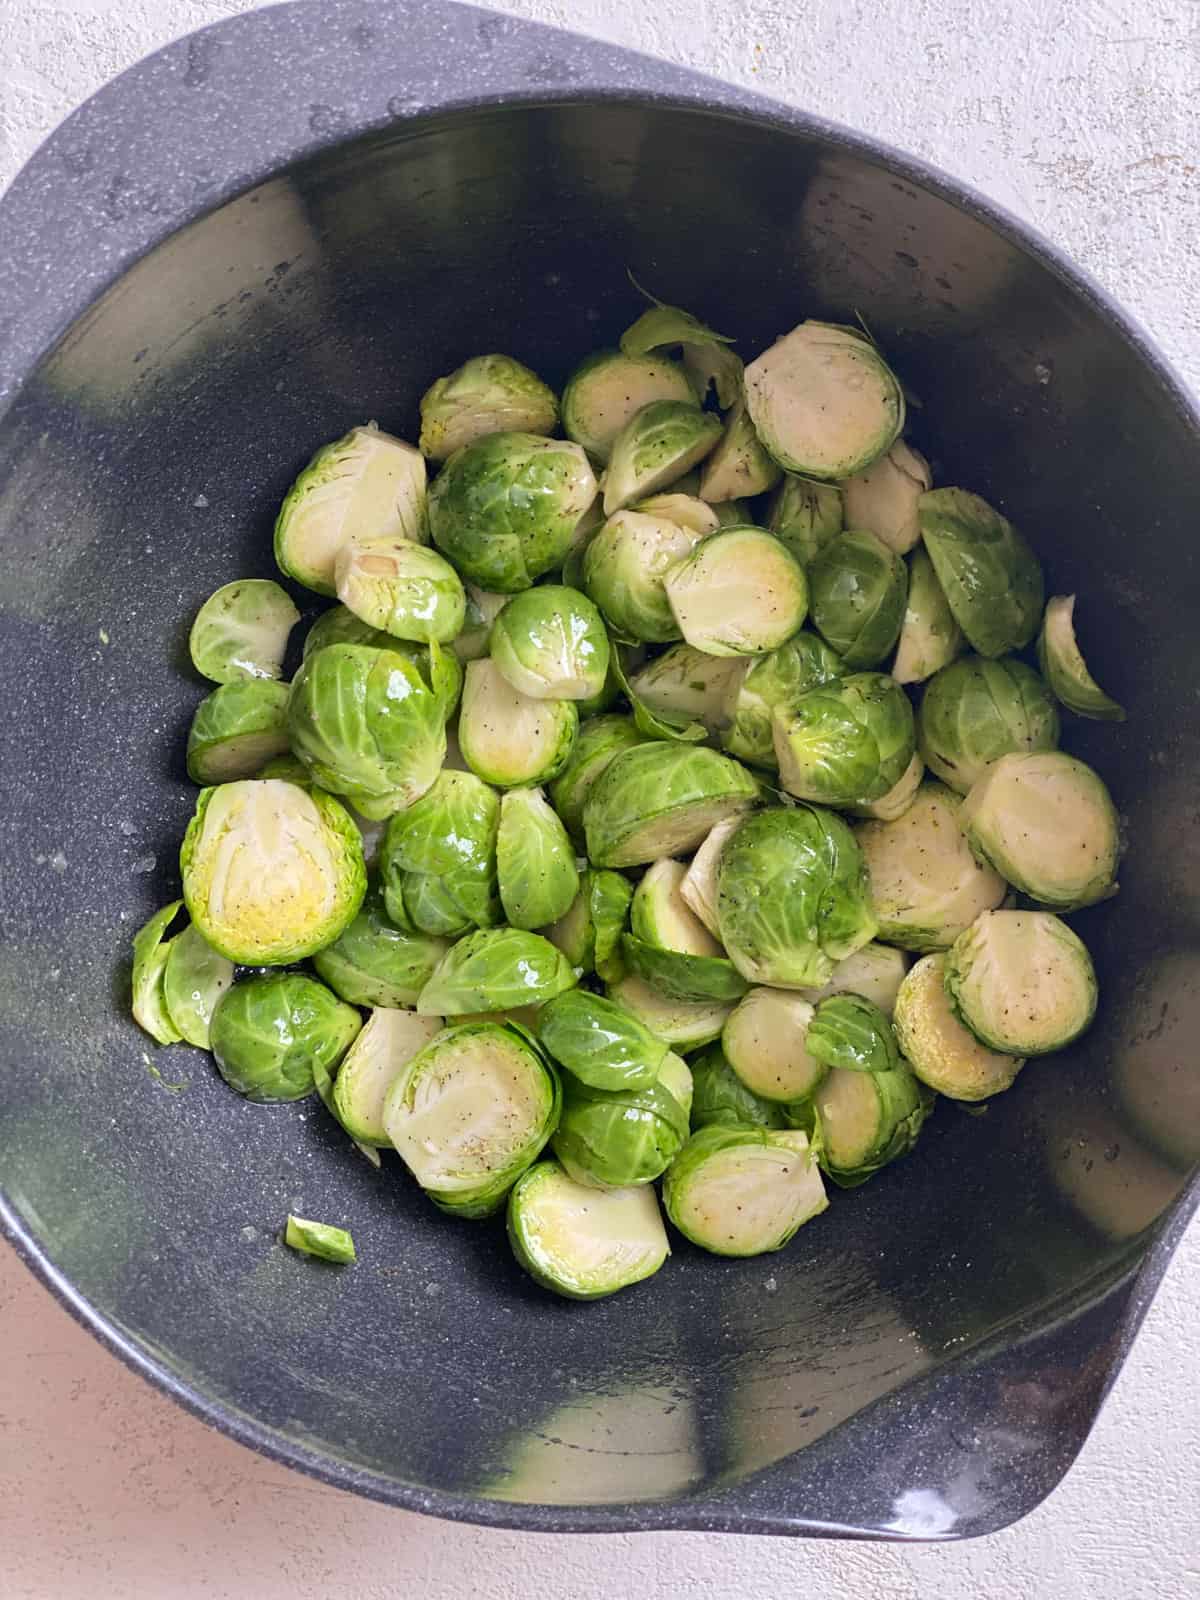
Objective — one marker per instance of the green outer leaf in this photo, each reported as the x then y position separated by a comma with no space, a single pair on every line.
195,978
974,711
680,976
615,1139
858,589
320,1239
496,969
535,861
852,1033
150,956
375,963
805,516
1064,668
664,325
990,576
656,447
610,898
721,1099
250,710
599,1042
268,1031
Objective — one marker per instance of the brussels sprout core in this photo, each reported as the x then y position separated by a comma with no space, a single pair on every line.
582,1242
739,592
941,1051
1022,981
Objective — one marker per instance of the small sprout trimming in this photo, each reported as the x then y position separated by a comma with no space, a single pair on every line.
320,1239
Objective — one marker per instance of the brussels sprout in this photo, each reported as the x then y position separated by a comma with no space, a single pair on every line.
470,1112
662,326
320,1239
609,388
721,1100
366,484
375,963
600,741
599,1042
765,1040
941,1051
848,742
193,981
496,969
806,516
271,871
851,1034
687,509
488,394
885,497
401,587
738,466
1047,824
551,644
1022,981
929,636
661,917
268,1032
875,972
824,402
504,510
991,578
150,956
892,805
535,861
657,446
589,933
626,563
739,592
242,630
688,683
675,1076
686,1023
698,886
482,611
236,728
339,625
611,1139
792,897
289,768
659,798
367,725
975,711
379,1054
858,589
868,1119
741,1191
438,858
774,683
579,1242
507,738
1064,668
926,886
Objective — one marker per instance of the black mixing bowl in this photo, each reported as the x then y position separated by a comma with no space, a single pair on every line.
290,223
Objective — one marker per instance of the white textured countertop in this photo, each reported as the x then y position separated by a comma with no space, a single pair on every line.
1083,117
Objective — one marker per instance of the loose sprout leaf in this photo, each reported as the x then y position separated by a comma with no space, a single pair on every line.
656,724
1064,668
662,325
716,367
150,956
320,1239
242,630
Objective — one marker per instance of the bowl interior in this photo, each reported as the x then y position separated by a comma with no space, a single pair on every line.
141,466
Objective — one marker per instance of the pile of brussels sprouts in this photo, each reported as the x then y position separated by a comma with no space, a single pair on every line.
592,837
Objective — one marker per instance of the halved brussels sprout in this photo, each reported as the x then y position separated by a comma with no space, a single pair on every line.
482,610
1064,668
320,1239
579,1242
599,1042
688,683
926,885
151,953
849,1033
698,886
194,979
851,741
716,367
403,588
991,578
824,402
626,563
806,516
792,897
661,917
236,728
339,625
739,592
496,969
551,644
765,1042
975,711
659,798
380,1052
488,394
941,1051
589,933
1047,824
242,630
868,1119
438,858
375,963
681,504
611,1139
507,738
651,723
876,972
365,484
535,861
738,466
858,589
884,498
470,1112
774,683
892,805
269,1033
686,1023
929,636
271,871
741,1191
1022,981
721,1100
656,447
505,509
600,741
609,388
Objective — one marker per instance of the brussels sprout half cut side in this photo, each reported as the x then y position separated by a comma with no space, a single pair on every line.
738,467
242,630
488,394
765,1042
974,711
271,1034
626,562
509,739
599,1042
608,389
1022,981
806,516
581,1242
868,1119
388,1041
688,683
496,969
535,861
687,1024
236,729
885,497
661,798
1064,668
406,590
991,578
661,917
929,636
721,1100
943,1053
376,963
194,979
740,592
551,644
151,952
858,590
320,1239
743,1191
